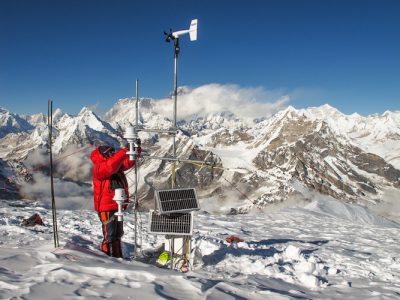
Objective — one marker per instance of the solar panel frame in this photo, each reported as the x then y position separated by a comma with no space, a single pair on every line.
177,200
175,224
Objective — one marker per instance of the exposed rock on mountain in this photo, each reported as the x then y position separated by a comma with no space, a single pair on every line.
11,175
262,161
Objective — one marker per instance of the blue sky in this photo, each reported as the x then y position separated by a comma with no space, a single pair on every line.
81,53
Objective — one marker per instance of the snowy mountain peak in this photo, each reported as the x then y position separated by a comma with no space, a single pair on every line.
85,128
319,147
89,118
328,108
393,116
288,113
3,110
123,109
36,119
57,115
12,123
356,116
325,112
290,108
85,111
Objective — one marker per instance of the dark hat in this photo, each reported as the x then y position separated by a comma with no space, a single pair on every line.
106,150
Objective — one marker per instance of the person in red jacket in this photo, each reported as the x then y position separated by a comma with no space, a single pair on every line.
108,174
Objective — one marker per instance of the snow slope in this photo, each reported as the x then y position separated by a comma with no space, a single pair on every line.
327,250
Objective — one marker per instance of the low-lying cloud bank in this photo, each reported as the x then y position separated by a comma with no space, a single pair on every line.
216,98
68,195
72,185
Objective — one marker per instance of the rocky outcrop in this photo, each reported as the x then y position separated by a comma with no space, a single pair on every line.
8,180
310,152
269,160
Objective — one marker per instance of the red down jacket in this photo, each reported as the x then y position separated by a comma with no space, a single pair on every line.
103,169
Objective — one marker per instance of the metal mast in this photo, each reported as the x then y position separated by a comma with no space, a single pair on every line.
136,168
176,54
53,202
192,31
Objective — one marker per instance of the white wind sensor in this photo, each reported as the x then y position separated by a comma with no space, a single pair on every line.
192,31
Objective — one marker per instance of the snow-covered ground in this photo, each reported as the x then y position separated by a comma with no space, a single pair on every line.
325,250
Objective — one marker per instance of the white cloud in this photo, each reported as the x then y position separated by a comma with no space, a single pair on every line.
215,98
68,195
389,206
73,166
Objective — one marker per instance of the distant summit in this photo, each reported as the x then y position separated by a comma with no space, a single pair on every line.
12,123
269,159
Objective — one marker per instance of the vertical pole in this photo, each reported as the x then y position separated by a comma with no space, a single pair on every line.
137,103
53,202
136,168
173,177
176,79
176,53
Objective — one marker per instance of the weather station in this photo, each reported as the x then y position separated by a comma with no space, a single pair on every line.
174,208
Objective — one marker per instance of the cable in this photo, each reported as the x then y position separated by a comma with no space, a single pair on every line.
37,167
208,167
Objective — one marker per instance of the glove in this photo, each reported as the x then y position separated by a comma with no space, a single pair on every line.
138,142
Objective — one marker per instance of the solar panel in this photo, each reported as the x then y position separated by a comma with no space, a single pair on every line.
177,200
174,224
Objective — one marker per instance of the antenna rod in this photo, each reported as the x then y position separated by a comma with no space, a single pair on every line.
176,53
53,202
136,168
137,103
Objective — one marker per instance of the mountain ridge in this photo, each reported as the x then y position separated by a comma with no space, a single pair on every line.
272,159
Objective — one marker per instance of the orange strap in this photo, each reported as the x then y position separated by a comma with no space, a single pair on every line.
105,217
